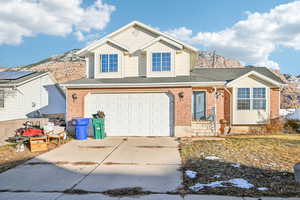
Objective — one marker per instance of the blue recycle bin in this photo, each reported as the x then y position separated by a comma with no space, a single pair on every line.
81,128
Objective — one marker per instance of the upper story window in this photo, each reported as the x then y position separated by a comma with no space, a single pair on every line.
161,62
255,98
1,98
109,63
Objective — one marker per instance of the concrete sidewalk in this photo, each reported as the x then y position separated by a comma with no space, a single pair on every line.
59,196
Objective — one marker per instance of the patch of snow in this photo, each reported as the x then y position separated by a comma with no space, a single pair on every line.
212,158
191,174
240,183
237,165
286,112
263,188
295,115
197,187
215,184
216,176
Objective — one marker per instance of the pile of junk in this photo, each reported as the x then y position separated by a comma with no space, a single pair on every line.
85,127
37,136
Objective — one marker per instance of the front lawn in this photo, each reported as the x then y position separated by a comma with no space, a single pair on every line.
242,165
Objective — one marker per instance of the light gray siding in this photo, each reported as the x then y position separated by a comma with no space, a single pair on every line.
39,95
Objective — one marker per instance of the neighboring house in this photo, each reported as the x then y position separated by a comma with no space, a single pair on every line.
146,84
28,94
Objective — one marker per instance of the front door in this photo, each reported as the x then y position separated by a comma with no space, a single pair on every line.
199,99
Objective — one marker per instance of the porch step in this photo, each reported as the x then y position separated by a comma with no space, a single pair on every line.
204,134
203,128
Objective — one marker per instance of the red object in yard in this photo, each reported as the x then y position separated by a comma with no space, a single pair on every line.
33,131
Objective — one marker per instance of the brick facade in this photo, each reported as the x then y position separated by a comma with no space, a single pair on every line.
274,102
182,106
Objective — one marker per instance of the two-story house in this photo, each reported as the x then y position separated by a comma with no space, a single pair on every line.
145,82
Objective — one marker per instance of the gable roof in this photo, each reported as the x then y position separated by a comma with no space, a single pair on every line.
107,40
135,23
231,74
179,46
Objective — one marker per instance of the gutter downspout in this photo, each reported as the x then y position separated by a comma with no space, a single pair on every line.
230,112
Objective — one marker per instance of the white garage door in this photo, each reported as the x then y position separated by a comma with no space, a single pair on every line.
133,114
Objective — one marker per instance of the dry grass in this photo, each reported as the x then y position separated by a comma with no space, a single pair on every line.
9,158
266,161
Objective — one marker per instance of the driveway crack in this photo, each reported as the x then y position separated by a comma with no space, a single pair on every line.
100,163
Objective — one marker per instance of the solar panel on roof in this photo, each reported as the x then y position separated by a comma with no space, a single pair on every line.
14,75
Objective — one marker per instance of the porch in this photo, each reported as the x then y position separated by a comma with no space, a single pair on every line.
210,111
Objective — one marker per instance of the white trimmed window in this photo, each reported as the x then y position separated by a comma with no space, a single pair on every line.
109,63
161,62
259,98
1,98
243,102
251,98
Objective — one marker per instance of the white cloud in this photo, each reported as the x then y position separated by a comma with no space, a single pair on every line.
182,33
88,38
20,18
79,35
252,40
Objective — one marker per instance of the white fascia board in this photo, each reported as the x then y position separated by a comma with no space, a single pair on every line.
96,43
125,85
165,35
109,41
256,74
160,38
99,43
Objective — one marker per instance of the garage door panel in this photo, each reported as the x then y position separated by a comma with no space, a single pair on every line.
132,114
157,114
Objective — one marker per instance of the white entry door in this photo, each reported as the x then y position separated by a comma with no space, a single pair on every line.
133,114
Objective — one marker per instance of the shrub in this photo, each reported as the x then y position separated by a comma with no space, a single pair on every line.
273,126
292,125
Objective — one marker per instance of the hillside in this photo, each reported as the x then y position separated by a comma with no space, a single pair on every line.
64,67
2,69
208,59
290,95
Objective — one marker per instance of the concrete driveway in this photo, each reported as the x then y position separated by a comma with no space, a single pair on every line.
100,165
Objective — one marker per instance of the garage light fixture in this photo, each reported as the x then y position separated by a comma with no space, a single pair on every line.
181,95
74,96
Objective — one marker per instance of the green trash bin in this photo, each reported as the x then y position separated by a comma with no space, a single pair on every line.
99,131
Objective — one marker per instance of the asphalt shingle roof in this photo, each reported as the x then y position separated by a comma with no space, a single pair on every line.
229,74
197,75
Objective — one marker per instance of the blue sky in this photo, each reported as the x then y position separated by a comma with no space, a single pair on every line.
205,24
